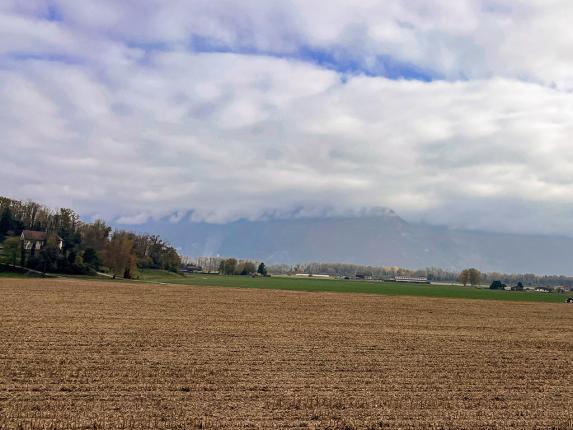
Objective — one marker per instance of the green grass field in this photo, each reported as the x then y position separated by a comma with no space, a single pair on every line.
346,286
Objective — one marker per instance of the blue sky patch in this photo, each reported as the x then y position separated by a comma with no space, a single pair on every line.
385,65
53,13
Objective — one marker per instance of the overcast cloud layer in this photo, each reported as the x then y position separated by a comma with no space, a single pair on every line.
457,113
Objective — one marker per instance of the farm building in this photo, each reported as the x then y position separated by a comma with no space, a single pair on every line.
191,268
35,240
310,275
411,279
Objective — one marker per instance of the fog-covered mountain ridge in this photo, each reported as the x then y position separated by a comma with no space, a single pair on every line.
372,237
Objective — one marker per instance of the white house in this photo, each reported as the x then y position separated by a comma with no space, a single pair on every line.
35,240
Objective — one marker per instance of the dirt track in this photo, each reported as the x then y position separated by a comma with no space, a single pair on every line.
79,354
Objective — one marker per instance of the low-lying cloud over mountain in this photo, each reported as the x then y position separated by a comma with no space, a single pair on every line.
380,239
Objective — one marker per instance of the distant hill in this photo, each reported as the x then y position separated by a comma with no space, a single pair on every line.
383,239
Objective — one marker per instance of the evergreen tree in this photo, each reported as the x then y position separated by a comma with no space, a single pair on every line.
262,270
6,221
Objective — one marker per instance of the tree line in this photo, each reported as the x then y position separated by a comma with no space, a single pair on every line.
226,266
232,266
86,247
434,274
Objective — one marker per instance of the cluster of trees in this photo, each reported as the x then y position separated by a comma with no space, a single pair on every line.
208,264
344,269
377,272
87,247
471,276
432,273
531,279
232,266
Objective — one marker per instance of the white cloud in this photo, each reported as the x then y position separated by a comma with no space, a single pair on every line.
125,132
528,39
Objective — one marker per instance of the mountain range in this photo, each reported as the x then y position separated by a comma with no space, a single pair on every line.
379,239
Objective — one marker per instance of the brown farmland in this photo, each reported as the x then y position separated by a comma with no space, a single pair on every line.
102,355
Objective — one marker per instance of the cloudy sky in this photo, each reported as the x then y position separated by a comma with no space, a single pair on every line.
449,112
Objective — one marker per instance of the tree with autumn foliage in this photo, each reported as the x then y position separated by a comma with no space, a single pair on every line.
119,255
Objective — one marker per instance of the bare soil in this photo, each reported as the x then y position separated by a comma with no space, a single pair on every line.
102,355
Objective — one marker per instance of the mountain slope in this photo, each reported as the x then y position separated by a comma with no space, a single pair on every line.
382,240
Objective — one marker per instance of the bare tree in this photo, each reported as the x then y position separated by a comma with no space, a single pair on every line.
464,277
474,277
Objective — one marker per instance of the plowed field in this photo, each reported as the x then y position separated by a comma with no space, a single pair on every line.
102,355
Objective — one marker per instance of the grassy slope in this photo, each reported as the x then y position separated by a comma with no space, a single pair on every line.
344,286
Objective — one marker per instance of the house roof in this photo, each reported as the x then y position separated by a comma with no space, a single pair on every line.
34,235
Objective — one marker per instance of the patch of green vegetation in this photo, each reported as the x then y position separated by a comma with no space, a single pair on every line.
348,286
158,275
12,275
16,274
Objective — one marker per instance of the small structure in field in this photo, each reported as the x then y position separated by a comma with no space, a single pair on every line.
518,287
411,279
310,275
191,268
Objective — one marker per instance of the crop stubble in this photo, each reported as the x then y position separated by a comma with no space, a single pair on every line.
78,354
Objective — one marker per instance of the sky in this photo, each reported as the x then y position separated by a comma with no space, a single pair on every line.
454,113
